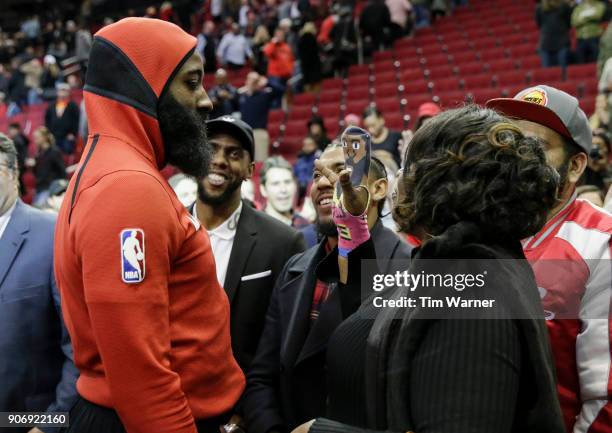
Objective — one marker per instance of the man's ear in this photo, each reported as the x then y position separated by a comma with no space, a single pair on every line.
378,191
578,164
263,191
250,170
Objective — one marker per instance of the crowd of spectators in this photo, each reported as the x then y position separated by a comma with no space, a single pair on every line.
557,19
288,46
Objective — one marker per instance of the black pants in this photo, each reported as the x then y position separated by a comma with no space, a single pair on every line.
87,417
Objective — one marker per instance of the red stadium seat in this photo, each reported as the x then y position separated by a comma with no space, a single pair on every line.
502,65
394,121
588,105
304,99
475,31
407,54
484,44
588,88
475,68
570,87
386,90
530,62
483,95
332,83
510,78
300,112
429,50
582,71
492,55
359,70
511,91
520,51
358,80
444,85
476,82
408,62
437,60
383,56
357,106
496,22
332,126
408,75
329,111
383,66
457,46
296,129
274,130
29,180
463,58
544,75
415,87
451,99
388,105
331,95
440,72
532,37
360,92
385,78
509,40
414,101
276,116
404,43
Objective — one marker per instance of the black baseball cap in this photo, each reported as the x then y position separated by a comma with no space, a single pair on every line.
236,128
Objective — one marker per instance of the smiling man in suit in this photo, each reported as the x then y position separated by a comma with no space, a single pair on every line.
250,248
286,384
36,368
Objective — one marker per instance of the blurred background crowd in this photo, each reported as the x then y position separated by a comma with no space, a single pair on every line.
298,71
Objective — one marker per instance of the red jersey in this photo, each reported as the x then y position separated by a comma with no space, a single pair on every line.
148,320
571,261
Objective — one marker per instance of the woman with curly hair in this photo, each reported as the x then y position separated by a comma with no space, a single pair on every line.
473,186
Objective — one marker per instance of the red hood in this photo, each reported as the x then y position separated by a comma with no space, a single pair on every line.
127,76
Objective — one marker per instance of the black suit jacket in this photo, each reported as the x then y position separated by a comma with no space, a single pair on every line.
286,380
67,123
261,248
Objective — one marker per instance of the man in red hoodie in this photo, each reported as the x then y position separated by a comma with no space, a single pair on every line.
148,320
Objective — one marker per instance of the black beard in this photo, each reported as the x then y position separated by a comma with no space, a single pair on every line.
327,229
219,199
184,135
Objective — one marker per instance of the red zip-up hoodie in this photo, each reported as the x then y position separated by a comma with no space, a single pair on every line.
148,320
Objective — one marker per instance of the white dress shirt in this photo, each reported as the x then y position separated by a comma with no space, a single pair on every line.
222,241
4,219
234,48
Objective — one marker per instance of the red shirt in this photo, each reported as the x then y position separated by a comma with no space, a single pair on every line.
280,59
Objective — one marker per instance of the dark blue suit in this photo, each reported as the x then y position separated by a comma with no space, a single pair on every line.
36,368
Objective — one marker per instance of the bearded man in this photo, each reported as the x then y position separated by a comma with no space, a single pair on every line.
151,358
250,247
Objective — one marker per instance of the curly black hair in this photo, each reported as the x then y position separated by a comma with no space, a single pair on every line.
473,165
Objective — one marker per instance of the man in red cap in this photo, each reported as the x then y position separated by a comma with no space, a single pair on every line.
571,260
148,319
426,111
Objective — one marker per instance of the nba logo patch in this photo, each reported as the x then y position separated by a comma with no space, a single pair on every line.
132,255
